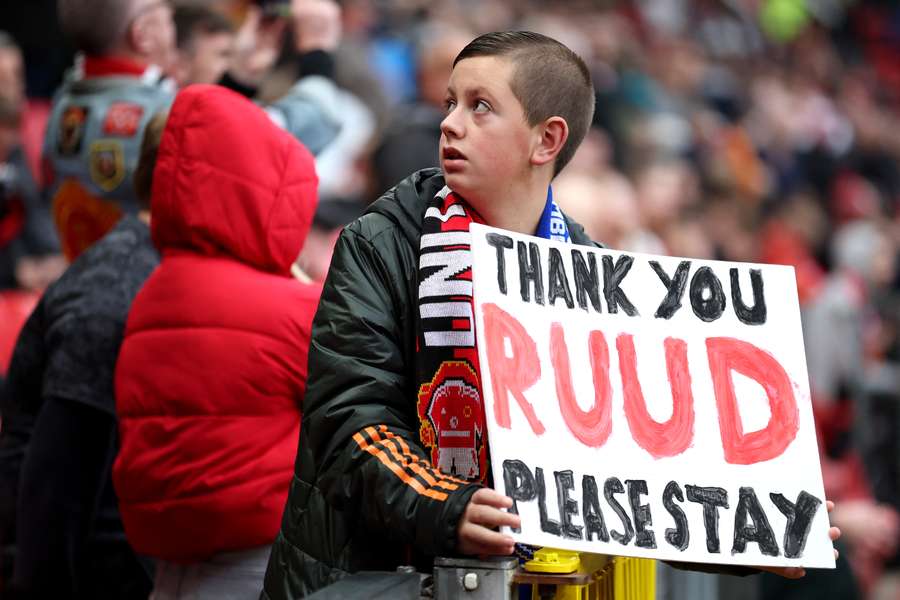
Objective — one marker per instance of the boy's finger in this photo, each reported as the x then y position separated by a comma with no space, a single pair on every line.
489,516
491,498
482,514
480,540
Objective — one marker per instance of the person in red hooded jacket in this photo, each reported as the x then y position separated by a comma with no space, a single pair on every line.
213,365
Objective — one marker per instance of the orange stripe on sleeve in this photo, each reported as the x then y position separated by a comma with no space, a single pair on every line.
397,470
433,476
410,462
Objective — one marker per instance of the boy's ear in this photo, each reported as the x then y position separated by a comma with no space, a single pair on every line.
553,135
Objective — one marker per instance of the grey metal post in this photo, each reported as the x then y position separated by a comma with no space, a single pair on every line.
472,579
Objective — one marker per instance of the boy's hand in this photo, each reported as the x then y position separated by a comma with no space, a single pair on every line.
476,532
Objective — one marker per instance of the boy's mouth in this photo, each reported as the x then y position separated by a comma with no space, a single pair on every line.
453,154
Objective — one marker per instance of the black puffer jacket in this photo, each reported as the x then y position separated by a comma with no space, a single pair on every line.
358,500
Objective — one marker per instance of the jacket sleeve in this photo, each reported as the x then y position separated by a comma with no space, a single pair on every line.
359,413
62,479
308,112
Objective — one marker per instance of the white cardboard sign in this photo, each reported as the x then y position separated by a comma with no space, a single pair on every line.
647,405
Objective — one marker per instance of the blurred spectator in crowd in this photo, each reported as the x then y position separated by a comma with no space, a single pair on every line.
794,234
836,327
12,74
309,108
664,189
214,444
205,40
29,250
605,206
597,195
70,540
33,112
864,258
109,106
411,140
94,133
329,220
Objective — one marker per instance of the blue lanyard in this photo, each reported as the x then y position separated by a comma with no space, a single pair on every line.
552,225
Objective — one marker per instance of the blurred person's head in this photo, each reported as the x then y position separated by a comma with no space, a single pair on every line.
205,39
687,236
358,17
594,155
547,22
681,66
804,216
143,172
141,30
519,104
866,249
664,187
609,35
854,197
773,105
732,224
12,73
439,48
605,206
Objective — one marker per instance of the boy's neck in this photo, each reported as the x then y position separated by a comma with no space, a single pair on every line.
515,209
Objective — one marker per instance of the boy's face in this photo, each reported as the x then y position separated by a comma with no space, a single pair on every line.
486,143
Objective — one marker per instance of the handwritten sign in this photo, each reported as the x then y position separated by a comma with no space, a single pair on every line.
648,405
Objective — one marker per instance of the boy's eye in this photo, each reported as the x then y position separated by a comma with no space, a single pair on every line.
482,107
449,105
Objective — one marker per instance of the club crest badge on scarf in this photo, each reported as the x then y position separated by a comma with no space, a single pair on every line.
452,420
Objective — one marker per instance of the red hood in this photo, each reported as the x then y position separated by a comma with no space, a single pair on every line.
229,182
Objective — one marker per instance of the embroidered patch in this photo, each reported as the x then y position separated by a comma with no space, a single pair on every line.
71,130
450,406
81,218
107,164
123,119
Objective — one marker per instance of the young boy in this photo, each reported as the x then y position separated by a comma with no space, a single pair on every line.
392,463
385,359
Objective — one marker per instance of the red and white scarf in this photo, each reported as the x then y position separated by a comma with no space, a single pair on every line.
450,403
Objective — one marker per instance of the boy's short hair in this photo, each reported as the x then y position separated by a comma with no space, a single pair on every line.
143,172
548,80
96,27
192,20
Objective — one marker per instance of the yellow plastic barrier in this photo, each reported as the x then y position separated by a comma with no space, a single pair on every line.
581,576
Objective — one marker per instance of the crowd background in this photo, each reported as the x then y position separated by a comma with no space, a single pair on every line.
745,130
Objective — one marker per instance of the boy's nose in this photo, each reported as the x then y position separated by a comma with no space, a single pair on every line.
451,126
